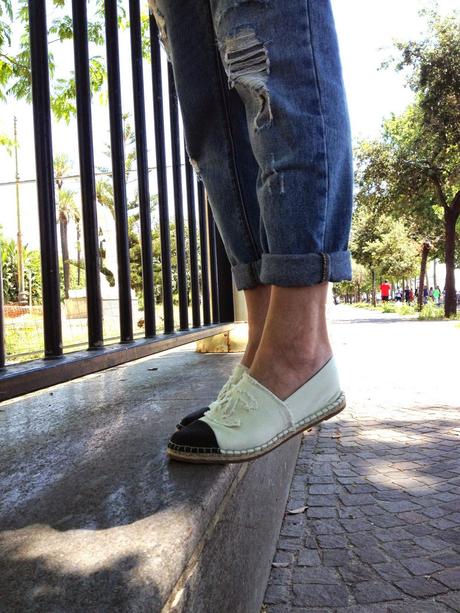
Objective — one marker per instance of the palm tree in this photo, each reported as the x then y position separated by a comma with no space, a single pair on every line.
66,210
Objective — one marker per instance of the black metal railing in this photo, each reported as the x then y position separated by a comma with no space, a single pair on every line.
203,271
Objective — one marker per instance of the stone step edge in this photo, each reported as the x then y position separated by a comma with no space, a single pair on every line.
213,579
178,590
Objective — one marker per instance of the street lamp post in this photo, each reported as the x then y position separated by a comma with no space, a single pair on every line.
22,295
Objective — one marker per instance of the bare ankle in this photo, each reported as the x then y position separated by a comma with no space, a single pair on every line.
250,352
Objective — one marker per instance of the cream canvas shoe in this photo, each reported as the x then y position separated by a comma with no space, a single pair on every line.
228,385
249,421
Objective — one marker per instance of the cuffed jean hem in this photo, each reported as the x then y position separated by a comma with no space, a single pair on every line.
247,275
305,269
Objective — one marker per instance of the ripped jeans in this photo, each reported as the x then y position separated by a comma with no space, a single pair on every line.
267,130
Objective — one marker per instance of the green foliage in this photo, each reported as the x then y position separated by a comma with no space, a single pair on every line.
136,260
361,282
15,71
407,309
73,277
389,307
6,17
431,311
433,66
32,271
5,141
24,338
412,173
383,244
108,274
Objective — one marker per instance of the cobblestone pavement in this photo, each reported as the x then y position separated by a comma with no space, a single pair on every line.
380,483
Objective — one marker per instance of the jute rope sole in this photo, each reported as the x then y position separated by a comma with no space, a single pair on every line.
226,458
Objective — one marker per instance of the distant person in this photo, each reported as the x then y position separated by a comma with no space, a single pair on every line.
385,289
411,295
430,294
407,294
425,295
437,295
398,295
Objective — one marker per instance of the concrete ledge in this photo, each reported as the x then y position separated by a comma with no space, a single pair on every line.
93,516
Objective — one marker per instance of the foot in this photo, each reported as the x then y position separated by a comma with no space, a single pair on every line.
283,369
250,420
231,381
240,368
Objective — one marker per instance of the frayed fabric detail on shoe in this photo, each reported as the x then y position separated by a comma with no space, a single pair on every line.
223,410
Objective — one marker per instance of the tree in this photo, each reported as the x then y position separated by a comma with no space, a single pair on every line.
15,71
426,140
66,210
384,245
361,282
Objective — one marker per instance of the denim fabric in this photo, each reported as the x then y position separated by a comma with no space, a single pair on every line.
267,129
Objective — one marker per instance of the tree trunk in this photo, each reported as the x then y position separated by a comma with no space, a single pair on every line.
65,253
450,304
78,253
374,301
421,284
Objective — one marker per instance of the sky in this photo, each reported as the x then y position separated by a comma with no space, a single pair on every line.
366,30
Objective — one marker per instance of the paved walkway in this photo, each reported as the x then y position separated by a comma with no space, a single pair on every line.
381,482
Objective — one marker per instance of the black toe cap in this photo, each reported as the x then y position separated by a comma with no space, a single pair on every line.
191,417
197,437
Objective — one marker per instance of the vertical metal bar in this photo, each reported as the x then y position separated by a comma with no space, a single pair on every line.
142,168
161,177
45,178
88,185
118,169
2,321
213,261
178,201
204,254
193,244
224,281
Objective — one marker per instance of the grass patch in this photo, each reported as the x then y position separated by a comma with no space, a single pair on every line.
430,311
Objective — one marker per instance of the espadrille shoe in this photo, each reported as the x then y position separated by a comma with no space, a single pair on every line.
228,385
249,421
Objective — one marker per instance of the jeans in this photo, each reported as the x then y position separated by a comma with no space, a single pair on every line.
266,128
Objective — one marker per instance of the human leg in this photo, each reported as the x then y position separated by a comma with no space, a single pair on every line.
257,302
215,132
283,61
284,64
218,145
295,343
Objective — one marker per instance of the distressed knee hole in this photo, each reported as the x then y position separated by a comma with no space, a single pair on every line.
161,24
247,64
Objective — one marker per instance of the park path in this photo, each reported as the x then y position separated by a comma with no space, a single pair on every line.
380,483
